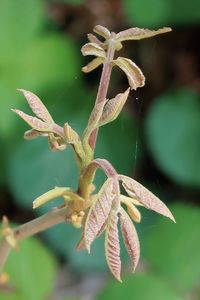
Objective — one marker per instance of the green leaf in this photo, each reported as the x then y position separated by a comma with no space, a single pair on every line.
72,2
11,296
172,131
2,163
139,286
34,169
30,59
31,271
9,99
50,60
117,143
20,21
173,250
155,13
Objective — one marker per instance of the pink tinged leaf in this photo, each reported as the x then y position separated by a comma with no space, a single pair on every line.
113,108
56,143
37,106
148,199
34,122
32,134
130,237
102,31
98,213
93,49
139,33
93,39
95,63
81,244
134,74
96,115
112,246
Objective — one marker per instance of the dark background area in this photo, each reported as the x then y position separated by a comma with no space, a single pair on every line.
156,140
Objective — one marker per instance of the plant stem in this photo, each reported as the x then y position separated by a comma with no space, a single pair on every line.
54,217
103,85
86,178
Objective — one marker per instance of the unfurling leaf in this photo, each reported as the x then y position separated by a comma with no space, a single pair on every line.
56,142
73,138
102,31
93,49
93,39
113,108
32,134
139,33
95,63
112,247
134,74
50,195
71,135
148,199
95,116
98,213
132,210
34,122
107,167
37,106
130,237
134,213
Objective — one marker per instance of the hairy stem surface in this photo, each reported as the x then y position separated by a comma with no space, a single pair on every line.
103,85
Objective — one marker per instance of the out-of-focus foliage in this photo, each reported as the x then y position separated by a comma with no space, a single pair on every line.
29,57
162,12
31,272
173,252
140,286
73,2
172,130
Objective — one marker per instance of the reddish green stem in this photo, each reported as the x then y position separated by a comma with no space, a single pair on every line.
103,85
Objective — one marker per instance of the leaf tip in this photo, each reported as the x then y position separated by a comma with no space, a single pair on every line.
88,249
20,90
34,205
167,29
84,69
16,111
171,217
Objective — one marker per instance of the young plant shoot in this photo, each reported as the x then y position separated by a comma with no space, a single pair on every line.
94,212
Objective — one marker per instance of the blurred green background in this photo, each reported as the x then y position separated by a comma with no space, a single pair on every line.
156,140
